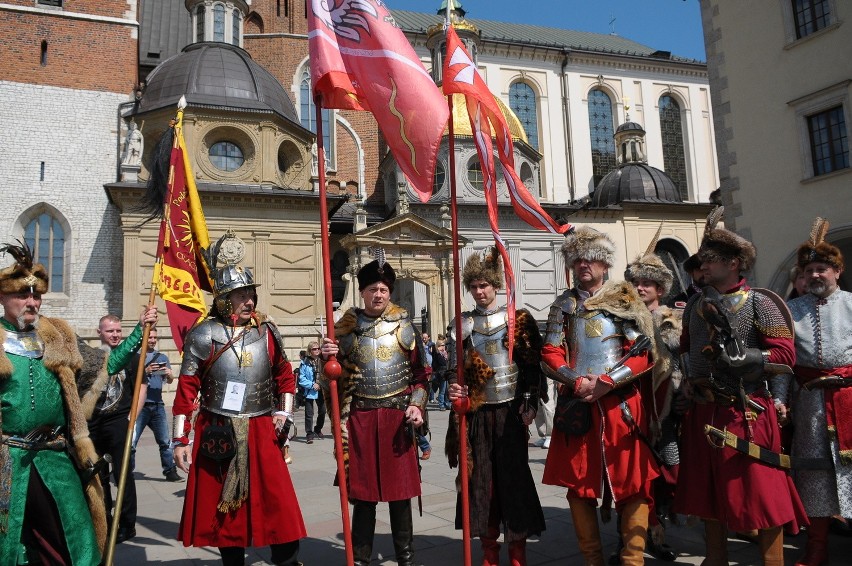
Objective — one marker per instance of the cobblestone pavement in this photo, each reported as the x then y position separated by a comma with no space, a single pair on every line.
436,541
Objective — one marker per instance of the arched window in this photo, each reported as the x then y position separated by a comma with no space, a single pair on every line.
199,23
600,133
523,103
218,22
674,157
308,113
46,238
235,27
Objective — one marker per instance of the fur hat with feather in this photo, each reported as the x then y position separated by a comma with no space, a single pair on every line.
650,266
24,274
485,265
817,249
723,245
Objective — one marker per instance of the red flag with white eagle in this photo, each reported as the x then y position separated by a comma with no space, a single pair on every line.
360,60
461,76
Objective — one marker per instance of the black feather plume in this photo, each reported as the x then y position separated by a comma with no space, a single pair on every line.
22,253
154,198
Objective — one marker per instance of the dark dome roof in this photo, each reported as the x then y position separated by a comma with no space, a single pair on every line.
216,74
635,182
630,126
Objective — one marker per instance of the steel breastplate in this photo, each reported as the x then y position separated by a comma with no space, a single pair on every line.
385,367
595,341
487,338
246,362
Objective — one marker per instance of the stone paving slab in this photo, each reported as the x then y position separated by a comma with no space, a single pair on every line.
437,542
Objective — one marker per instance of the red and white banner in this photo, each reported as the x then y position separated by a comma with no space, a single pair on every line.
360,60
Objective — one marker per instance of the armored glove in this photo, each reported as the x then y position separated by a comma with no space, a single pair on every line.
749,366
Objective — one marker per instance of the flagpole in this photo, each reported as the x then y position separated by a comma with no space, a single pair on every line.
460,406
331,369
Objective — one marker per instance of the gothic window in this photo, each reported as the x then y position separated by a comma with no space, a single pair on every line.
674,157
601,132
46,238
226,156
810,16
308,113
235,27
523,103
199,23
218,22
829,143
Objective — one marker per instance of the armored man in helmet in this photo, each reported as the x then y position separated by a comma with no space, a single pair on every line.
383,395
503,399
599,342
733,335
239,492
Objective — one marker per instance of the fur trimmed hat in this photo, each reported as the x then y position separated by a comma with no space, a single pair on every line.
650,267
485,265
24,274
589,244
719,244
374,272
817,249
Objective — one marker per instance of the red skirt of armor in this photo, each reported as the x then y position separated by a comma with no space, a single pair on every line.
577,462
382,456
725,485
270,515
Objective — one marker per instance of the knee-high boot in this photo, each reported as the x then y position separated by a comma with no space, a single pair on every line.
402,531
585,518
634,532
771,543
518,553
816,552
490,547
363,531
716,543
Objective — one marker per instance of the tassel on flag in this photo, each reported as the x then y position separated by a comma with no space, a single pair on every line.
360,60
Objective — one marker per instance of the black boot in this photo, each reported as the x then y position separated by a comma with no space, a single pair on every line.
363,530
233,555
402,531
615,557
285,554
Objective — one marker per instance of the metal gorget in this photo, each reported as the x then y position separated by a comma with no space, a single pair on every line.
24,343
487,336
239,383
376,348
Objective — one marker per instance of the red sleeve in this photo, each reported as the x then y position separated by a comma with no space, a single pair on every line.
187,393
420,376
282,370
639,364
781,350
553,356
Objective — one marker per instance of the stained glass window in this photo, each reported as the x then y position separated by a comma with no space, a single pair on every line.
674,157
523,103
601,130
309,113
46,238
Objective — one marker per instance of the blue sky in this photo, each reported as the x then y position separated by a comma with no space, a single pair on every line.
669,25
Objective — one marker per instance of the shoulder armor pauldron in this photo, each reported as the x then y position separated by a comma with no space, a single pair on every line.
406,334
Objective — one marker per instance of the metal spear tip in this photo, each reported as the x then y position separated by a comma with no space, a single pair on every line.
182,102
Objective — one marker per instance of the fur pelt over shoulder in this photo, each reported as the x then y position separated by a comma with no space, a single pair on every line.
62,357
527,352
350,373
667,373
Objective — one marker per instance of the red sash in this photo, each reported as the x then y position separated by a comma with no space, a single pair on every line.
838,403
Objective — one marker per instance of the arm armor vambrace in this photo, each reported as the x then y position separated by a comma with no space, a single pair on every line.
286,403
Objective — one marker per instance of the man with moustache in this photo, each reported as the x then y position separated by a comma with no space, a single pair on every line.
726,488
239,491
46,515
382,399
822,405
603,449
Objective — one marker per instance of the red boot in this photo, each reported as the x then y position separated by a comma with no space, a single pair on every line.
490,549
518,552
816,551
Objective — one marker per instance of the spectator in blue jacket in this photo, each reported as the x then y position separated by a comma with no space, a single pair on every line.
308,381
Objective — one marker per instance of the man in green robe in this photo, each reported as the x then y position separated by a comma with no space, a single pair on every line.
46,514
